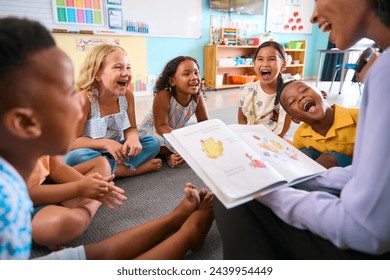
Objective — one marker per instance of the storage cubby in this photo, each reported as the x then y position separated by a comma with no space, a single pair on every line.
297,54
219,61
214,72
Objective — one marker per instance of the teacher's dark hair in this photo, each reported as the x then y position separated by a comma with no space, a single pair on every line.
383,10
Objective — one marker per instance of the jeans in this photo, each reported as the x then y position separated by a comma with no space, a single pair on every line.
150,148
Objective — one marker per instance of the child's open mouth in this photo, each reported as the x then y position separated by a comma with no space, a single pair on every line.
194,84
308,105
265,74
122,83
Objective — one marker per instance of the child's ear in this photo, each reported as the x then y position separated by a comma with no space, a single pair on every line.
284,66
171,81
97,76
324,94
22,123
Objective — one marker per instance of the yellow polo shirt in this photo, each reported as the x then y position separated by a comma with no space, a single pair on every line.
340,137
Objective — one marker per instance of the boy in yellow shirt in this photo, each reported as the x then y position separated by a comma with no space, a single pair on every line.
327,134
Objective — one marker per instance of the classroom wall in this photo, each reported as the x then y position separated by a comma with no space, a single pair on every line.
77,45
149,54
160,50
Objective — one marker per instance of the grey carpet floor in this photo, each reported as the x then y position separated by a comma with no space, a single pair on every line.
151,196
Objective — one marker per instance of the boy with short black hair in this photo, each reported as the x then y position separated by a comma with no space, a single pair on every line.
288,223
327,134
39,108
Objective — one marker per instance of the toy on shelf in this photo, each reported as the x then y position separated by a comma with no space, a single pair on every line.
229,35
214,37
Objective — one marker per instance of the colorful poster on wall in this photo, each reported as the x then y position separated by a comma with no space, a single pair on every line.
290,16
80,12
84,44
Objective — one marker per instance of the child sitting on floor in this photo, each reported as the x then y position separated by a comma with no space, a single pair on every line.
257,100
65,201
108,127
179,95
32,124
327,134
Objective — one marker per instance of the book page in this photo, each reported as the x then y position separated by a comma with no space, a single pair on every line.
220,157
286,159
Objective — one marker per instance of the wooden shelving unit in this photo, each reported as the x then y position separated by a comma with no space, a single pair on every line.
213,72
297,54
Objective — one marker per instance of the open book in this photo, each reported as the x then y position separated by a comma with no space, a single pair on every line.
240,162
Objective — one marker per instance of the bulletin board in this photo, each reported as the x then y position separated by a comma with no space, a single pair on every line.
290,16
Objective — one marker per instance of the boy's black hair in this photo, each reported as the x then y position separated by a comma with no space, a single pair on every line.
19,38
280,91
14,33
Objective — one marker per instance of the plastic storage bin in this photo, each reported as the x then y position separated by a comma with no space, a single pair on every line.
294,45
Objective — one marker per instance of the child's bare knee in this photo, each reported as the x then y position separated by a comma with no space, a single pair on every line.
103,164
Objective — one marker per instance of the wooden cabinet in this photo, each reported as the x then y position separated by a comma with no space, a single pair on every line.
298,55
219,62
